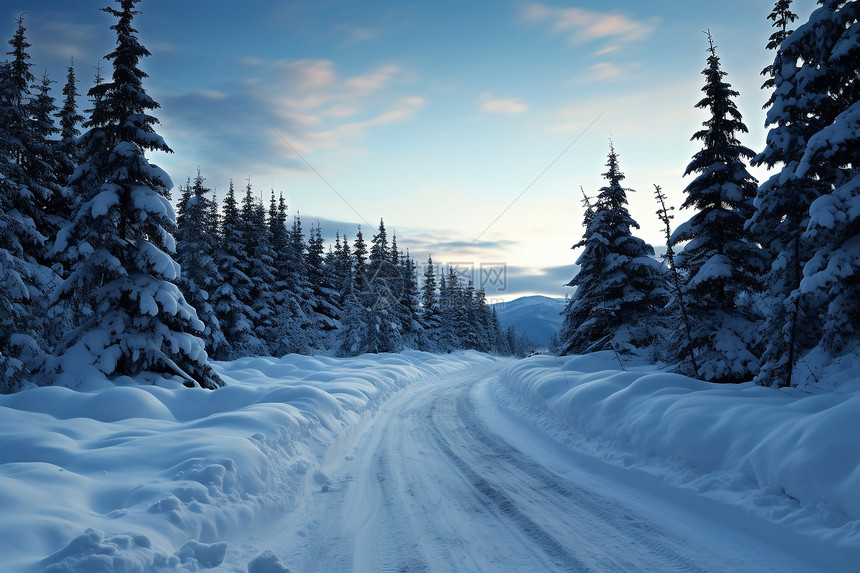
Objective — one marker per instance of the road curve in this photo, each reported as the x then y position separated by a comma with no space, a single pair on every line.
442,479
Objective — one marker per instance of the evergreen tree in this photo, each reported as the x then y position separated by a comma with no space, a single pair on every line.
324,291
719,264
230,297
23,256
464,316
339,273
195,249
382,297
481,321
121,235
814,79
289,291
354,320
450,300
44,162
782,17
300,283
409,306
500,341
258,265
69,119
829,49
619,284
359,264
430,319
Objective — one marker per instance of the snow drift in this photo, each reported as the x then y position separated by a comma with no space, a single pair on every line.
154,478
791,455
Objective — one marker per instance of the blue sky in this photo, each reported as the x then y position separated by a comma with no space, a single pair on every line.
447,119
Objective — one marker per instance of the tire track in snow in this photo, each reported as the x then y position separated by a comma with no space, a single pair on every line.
559,557
604,511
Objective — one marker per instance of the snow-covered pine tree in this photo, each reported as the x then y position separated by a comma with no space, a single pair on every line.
298,253
619,285
354,319
229,300
720,265
43,161
829,49
70,120
259,265
500,345
195,253
814,80
465,323
481,321
782,17
121,234
293,323
343,271
23,194
282,335
430,313
409,307
450,303
339,273
382,297
324,292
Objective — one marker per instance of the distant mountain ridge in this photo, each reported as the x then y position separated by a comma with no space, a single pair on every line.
537,317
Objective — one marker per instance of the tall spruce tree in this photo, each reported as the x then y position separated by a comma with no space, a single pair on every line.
323,290
354,318
121,235
619,285
719,264
45,162
782,17
230,299
24,191
814,98
195,250
829,47
70,120
258,265
409,305
430,302
382,297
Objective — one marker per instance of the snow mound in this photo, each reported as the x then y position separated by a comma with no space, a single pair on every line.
128,479
791,455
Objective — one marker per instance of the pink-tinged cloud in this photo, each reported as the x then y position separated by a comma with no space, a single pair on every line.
511,106
582,25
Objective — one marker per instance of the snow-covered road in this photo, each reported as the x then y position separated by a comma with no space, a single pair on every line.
443,478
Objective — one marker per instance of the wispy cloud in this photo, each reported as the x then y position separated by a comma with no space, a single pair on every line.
403,109
305,102
602,71
511,106
581,25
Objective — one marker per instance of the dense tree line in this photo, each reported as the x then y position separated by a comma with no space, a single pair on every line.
98,271
761,275
262,287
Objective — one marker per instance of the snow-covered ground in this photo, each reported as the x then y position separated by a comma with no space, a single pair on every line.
417,462
149,478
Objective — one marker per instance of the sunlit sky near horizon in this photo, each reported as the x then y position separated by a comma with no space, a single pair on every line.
450,120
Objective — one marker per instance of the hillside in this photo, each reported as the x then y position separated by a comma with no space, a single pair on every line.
537,317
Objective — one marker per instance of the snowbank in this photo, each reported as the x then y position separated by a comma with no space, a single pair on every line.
154,478
793,456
